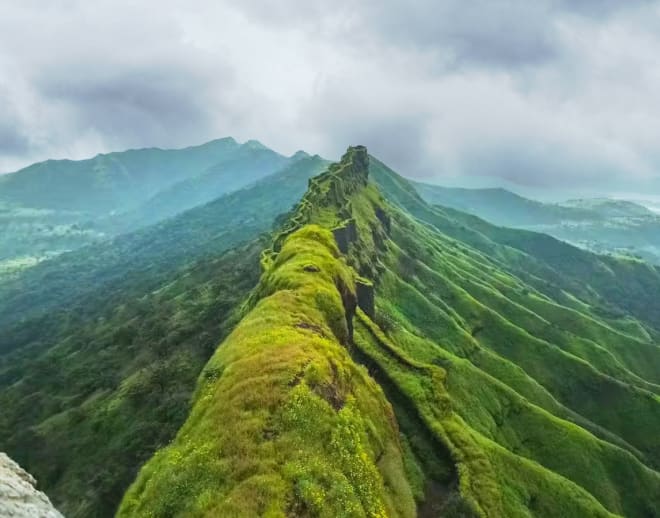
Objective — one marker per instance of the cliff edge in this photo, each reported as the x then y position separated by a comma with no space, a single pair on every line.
19,497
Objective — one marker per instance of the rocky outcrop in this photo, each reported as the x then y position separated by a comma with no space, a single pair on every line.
331,189
365,297
345,234
18,495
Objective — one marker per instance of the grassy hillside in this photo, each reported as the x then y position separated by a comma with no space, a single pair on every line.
113,181
100,348
310,432
615,288
60,205
144,256
603,225
512,395
87,403
379,356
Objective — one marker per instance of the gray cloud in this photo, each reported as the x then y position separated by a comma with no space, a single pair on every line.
11,141
153,104
545,93
510,33
599,8
15,142
500,33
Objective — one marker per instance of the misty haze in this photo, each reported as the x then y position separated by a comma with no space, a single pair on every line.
312,259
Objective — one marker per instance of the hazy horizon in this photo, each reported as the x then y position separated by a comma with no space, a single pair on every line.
552,195
547,95
376,259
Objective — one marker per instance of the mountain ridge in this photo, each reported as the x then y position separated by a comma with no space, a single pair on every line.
58,206
603,225
370,235
471,367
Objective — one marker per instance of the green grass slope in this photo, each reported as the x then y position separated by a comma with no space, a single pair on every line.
310,432
144,256
615,288
611,226
512,395
61,205
100,348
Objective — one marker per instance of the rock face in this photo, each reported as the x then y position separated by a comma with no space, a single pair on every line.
345,235
18,496
365,296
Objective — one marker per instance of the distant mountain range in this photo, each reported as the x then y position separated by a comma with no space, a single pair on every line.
600,224
122,181
60,205
319,340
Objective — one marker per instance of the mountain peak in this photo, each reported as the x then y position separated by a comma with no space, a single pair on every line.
254,144
341,178
222,140
353,164
330,191
300,154
18,494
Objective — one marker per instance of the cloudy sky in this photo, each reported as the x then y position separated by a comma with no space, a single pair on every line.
542,93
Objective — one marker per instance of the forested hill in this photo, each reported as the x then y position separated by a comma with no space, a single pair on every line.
145,255
117,181
60,205
363,353
100,347
611,226
396,359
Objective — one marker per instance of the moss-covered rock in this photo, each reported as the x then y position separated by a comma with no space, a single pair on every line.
505,401
366,297
284,422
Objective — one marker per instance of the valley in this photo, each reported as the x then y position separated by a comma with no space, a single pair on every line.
602,225
346,346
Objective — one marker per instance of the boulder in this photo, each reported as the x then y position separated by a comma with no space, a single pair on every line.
19,497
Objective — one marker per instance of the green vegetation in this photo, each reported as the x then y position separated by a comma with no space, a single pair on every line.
28,236
110,182
509,402
312,433
393,359
100,347
609,226
146,257
86,406
247,164
60,205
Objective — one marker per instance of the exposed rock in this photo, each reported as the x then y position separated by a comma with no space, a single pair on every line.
365,296
384,219
345,235
18,495
332,188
